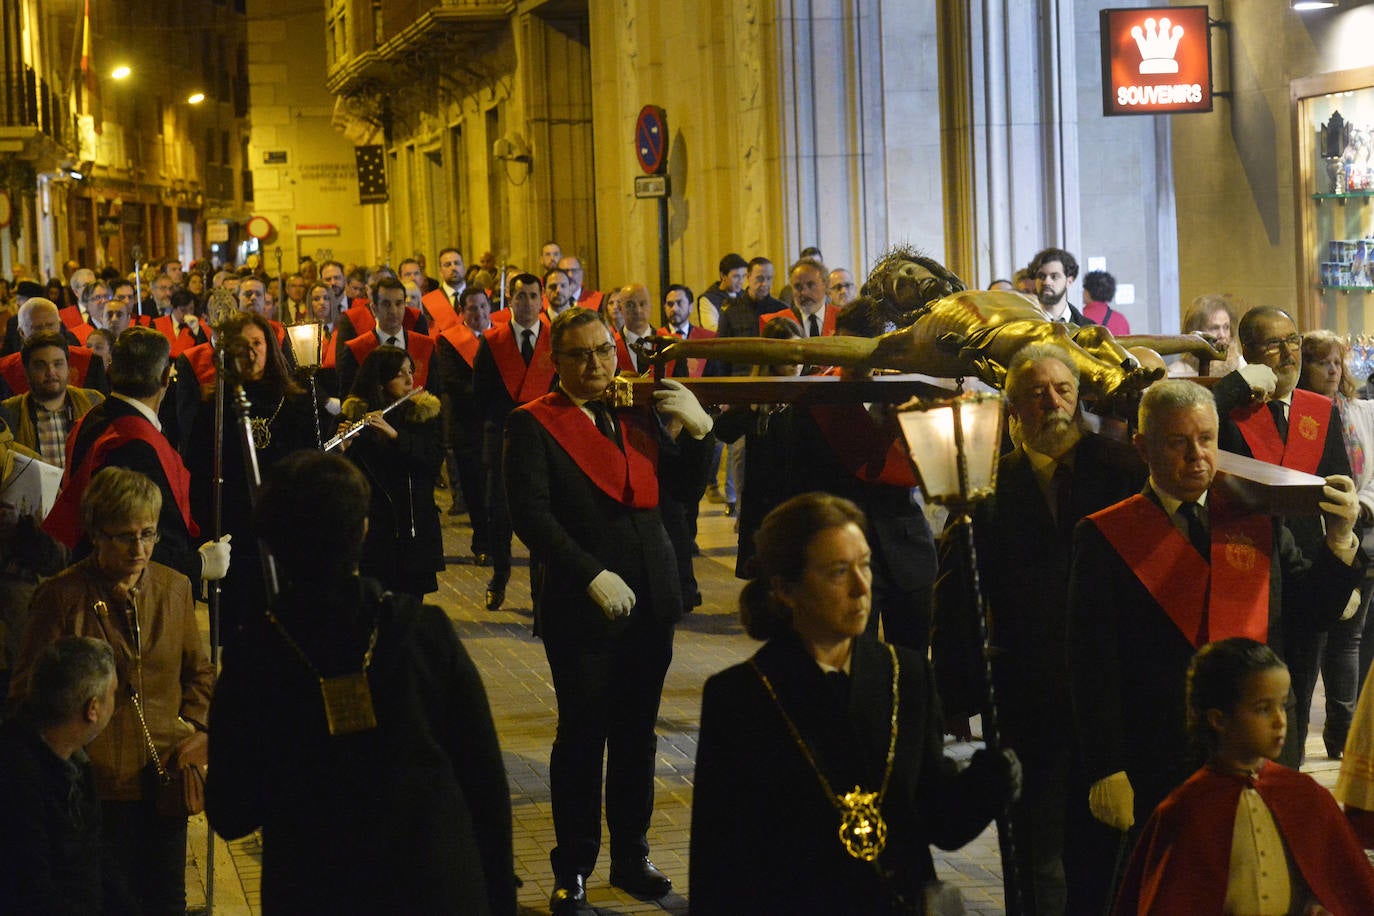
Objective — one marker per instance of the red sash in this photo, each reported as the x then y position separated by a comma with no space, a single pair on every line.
590,299
278,329
695,367
78,366
360,315
1228,597
1308,418
202,360
12,370
462,339
623,361
82,333
329,357
629,477
871,454
441,313
71,317
182,340
64,519
524,383
419,346
827,323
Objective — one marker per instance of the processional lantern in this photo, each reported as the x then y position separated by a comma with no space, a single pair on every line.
306,342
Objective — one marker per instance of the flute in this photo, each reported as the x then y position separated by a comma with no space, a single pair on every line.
357,427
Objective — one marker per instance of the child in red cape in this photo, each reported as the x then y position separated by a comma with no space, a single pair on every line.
1244,834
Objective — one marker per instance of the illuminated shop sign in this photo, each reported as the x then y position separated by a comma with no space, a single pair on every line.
1156,61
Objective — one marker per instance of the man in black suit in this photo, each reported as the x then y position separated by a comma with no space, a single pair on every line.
124,431
583,482
1265,415
1055,476
1158,575
455,354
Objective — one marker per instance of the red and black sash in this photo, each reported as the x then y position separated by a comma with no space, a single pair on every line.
827,323
419,346
872,454
1206,601
442,315
524,383
1308,418
182,339
64,519
463,341
629,477
696,367
71,317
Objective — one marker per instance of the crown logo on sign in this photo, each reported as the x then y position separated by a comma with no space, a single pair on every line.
1157,46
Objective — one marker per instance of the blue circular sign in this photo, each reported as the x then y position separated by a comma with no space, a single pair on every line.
651,139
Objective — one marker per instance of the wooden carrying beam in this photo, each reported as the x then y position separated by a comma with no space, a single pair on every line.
629,391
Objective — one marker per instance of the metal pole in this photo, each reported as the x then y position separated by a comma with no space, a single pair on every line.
137,252
281,292
1006,841
663,271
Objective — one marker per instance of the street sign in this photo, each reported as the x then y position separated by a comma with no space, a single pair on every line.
650,186
651,139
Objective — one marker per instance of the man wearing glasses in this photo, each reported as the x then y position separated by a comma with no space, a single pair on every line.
587,298
1264,415
584,485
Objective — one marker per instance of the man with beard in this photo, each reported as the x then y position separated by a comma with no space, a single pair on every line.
809,307
1265,416
1055,476
46,413
1054,270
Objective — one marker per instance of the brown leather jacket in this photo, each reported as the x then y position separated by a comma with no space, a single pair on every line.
177,678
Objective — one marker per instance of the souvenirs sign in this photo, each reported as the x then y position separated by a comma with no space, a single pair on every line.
1156,60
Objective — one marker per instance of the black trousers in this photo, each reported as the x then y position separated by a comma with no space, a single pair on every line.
472,479
499,531
150,850
608,687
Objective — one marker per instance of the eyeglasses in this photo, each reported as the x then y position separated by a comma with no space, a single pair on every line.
1273,345
842,286
130,539
588,354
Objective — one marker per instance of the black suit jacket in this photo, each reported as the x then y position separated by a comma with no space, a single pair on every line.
1023,565
763,836
176,548
1128,661
576,530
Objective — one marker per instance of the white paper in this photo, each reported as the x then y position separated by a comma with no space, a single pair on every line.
32,487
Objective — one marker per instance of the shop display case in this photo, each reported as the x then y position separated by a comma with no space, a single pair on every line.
1334,188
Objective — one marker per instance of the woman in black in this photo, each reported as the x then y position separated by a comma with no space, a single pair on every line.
820,776
283,421
400,454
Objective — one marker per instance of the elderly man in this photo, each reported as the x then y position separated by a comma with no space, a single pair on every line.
808,309
40,316
636,306
389,301
1158,575
577,291
294,309
1053,478
513,366
584,491
124,431
1264,415
46,413
50,836
841,286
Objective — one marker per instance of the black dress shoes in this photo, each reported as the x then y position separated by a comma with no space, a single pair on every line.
641,878
496,590
569,896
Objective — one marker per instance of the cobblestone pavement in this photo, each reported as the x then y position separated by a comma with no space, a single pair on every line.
521,694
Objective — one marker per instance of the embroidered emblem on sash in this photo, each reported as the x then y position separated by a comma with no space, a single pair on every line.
1240,552
1308,427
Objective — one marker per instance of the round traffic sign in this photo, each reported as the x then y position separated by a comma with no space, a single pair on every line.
651,139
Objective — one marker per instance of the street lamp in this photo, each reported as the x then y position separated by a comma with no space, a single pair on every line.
195,98
954,445
121,72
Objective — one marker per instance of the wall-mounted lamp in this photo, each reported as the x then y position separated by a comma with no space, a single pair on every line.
1307,6
195,98
511,148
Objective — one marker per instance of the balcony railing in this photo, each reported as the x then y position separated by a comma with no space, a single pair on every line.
26,100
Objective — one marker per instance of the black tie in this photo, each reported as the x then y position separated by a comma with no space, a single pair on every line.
391,342
1197,533
604,421
455,301
527,348
1280,418
1062,484
815,327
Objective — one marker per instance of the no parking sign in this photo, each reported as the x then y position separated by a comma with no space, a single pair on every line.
651,139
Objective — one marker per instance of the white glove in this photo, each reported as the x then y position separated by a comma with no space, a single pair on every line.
1260,378
1112,801
214,558
611,594
677,402
192,323
333,407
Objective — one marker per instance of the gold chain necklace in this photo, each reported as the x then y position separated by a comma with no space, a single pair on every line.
262,429
863,832
347,698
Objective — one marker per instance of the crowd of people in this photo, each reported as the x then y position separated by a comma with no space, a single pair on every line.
1145,623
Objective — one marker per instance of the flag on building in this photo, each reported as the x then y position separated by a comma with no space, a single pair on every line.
371,174
88,102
